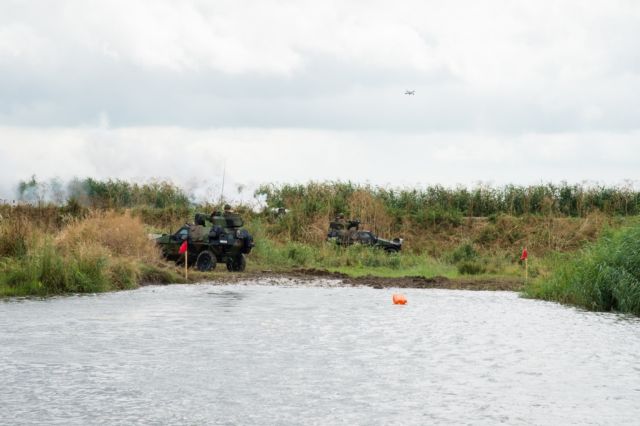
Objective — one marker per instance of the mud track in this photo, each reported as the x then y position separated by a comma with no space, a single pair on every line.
302,275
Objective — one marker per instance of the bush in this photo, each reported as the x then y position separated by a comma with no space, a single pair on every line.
464,252
604,276
121,234
487,235
471,268
100,253
151,274
123,274
298,254
14,236
47,271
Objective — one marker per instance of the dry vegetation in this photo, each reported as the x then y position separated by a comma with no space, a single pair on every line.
96,251
98,240
119,233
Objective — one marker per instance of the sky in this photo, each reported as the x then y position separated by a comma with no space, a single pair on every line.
290,91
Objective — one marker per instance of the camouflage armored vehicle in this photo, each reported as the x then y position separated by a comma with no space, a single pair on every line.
347,232
218,238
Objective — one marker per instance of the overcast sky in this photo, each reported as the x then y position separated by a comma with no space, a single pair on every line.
290,91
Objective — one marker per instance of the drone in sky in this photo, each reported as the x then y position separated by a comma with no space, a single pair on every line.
410,92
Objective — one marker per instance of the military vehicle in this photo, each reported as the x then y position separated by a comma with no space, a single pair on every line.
222,241
347,232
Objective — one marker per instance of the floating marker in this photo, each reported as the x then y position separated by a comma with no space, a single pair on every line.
399,299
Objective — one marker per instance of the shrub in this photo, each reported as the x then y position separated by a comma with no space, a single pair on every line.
471,267
487,235
14,235
46,270
298,254
152,274
121,234
123,274
464,252
604,276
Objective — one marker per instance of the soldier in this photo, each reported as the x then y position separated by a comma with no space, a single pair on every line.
227,210
214,214
338,228
197,232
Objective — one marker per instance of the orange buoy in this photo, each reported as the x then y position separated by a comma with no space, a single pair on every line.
399,299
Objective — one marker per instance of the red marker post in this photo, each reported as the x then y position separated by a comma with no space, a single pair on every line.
184,248
525,256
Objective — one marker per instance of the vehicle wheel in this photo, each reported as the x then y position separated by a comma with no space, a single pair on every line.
391,250
206,261
237,264
240,263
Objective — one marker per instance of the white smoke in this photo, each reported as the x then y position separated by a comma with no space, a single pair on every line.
195,159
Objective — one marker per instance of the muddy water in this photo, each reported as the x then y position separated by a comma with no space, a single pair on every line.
289,354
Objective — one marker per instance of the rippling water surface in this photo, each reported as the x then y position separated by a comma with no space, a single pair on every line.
287,354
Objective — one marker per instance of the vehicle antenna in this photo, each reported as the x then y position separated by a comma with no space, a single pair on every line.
224,170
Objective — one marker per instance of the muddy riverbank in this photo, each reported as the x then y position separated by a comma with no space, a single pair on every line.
303,275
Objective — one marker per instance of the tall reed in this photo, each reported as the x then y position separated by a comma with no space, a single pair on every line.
604,276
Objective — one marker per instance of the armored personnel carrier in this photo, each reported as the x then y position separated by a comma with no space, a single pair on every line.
347,232
218,238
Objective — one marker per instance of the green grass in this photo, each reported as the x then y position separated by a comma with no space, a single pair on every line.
604,276
45,271
431,268
360,260
152,274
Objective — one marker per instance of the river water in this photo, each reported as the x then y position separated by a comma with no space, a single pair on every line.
265,354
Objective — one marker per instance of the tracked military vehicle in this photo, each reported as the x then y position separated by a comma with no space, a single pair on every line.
218,238
346,232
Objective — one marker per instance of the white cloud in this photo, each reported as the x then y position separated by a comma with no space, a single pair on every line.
485,66
20,42
505,91
489,43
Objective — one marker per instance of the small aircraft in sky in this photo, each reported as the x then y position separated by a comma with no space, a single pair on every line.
410,92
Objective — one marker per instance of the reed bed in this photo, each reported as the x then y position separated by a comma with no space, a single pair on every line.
603,276
104,251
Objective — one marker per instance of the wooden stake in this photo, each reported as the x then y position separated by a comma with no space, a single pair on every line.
526,270
186,261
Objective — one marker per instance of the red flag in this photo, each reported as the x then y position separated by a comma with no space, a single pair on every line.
183,247
524,254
